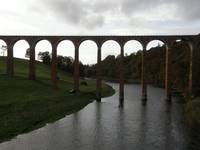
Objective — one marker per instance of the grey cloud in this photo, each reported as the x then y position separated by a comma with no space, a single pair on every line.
76,12
186,9
131,6
92,22
92,14
67,9
189,9
105,5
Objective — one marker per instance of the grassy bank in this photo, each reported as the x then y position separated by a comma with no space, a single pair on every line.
26,105
192,112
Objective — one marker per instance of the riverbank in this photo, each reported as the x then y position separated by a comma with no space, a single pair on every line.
26,105
192,112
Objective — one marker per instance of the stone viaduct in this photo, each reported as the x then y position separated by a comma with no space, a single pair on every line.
168,40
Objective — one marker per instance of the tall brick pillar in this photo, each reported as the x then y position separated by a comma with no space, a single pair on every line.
54,66
32,72
99,74
76,68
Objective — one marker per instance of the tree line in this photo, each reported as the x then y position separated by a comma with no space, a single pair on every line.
64,63
155,67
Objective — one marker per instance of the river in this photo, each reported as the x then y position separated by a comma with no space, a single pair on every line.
154,125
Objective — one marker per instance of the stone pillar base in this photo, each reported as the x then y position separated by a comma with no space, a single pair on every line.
144,97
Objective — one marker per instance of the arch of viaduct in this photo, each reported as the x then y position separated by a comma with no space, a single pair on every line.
168,40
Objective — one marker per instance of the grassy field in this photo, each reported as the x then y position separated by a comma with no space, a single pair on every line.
193,112
26,105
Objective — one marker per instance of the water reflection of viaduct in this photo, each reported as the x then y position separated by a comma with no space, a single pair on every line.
192,41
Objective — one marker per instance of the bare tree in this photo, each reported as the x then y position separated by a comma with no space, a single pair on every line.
3,49
27,54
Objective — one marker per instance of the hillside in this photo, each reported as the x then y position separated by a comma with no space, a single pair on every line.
27,105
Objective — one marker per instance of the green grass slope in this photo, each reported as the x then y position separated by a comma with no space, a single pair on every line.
26,105
193,112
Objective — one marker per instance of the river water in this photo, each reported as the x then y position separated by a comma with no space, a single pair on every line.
153,125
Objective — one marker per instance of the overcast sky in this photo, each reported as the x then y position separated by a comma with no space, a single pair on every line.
97,17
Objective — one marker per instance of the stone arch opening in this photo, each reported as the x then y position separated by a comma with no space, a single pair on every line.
89,47
154,44
132,46
88,57
110,47
66,48
182,65
65,58
132,60
155,62
43,54
110,59
21,53
3,54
